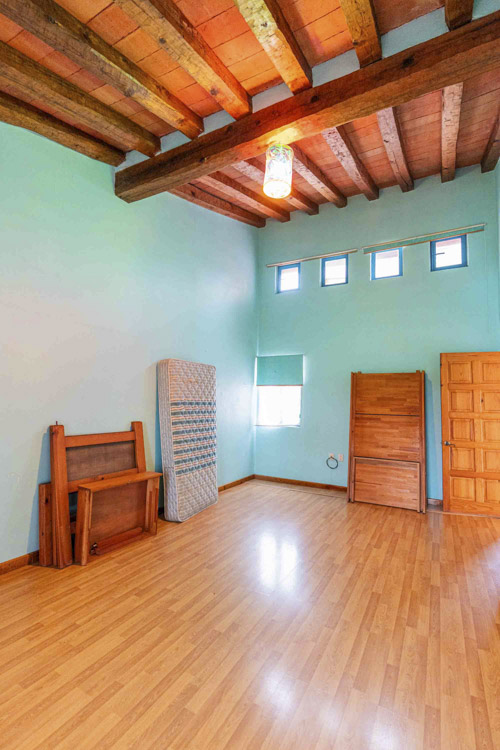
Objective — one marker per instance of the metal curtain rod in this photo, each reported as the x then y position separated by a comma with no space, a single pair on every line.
311,257
423,237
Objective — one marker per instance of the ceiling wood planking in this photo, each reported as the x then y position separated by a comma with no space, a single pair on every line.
56,27
168,26
15,112
268,23
492,153
304,166
458,12
255,200
450,124
37,82
194,194
339,142
393,142
297,199
445,60
362,26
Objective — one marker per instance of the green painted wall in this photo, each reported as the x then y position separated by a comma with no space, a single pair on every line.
93,293
399,324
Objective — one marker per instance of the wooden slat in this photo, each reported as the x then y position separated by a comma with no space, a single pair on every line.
458,12
37,82
76,441
450,123
140,454
362,26
296,199
61,537
235,189
393,142
168,26
16,112
442,61
58,28
196,195
75,483
108,484
268,23
492,153
307,169
339,142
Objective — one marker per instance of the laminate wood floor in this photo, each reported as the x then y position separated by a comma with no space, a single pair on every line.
279,619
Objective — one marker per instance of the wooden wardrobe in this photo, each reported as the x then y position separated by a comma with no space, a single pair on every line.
387,440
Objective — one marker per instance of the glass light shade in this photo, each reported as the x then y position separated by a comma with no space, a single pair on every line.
278,178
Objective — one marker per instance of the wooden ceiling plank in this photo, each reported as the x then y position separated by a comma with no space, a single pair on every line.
450,123
310,171
362,25
16,112
492,152
194,194
235,189
268,23
296,199
458,12
339,142
168,26
56,27
393,142
445,60
37,82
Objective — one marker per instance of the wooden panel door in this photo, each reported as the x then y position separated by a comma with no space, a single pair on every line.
470,412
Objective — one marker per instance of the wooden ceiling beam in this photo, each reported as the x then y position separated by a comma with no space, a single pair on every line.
451,107
296,199
307,169
15,112
268,23
235,189
168,26
393,142
492,152
56,27
194,194
39,83
458,12
339,142
445,60
362,25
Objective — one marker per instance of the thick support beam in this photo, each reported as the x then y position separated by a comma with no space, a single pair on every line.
194,194
458,12
307,169
37,82
296,199
16,112
339,142
362,26
55,26
271,28
448,59
492,153
450,122
168,26
393,142
258,201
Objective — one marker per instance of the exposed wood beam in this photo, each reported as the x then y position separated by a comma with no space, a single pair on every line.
235,189
393,142
168,26
37,82
362,26
458,12
268,23
296,199
55,26
450,58
307,169
450,122
339,142
492,153
16,112
194,194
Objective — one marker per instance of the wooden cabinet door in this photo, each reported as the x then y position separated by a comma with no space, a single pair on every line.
470,412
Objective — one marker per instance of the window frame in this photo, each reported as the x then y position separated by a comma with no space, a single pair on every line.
465,260
345,257
275,426
373,262
279,270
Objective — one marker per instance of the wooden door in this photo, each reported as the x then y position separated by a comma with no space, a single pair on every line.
470,412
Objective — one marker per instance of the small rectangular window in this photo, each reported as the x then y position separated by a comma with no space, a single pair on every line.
334,270
387,263
288,278
449,253
279,405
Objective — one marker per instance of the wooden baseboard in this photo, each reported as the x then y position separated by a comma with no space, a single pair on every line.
433,501
236,483
300,482
19,562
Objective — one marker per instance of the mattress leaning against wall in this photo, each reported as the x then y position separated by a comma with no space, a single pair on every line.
187,406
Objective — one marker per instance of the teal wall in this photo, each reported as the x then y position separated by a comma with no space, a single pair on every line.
399,324
93,293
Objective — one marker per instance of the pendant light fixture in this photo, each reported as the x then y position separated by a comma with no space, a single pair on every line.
278,177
